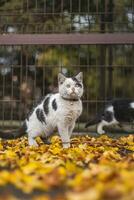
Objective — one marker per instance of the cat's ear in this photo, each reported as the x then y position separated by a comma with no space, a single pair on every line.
61,78
79,76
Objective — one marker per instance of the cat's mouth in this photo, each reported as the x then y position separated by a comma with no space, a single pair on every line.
73,94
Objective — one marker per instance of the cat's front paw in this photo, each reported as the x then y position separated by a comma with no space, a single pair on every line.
101,132
32,142
66,145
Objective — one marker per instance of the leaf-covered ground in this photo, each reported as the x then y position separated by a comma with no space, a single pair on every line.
92,169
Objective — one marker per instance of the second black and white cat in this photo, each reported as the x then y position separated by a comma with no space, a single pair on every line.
59,110
116,112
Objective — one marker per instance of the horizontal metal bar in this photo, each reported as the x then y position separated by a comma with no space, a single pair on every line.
13,13
67,39
114,66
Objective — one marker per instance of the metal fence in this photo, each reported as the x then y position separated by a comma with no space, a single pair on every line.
30,62
66,16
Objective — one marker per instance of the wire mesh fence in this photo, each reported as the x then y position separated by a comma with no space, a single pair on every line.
28,72
66,16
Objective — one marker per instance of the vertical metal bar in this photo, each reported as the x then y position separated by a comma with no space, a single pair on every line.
114,72
12,100
102,53
62,53
110,71
133,12
71,63
27,5
102,17
36,5
60,58
43,80
89,3
124,68
88,16
96,71
124,76
3,103
106,6
53,7
71,17
110,15
62,6
62,15
88,65
102,72
79,6
26,73
44,68
35,75
97,6
45,72
26,56
21,74
79,63
45,6
79,12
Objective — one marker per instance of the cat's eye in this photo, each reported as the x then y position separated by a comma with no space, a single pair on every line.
68,86
78,85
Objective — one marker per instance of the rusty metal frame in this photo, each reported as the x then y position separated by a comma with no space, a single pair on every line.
66,39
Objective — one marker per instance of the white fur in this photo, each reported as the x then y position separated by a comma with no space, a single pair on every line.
105,123
132,105
63,118
110,108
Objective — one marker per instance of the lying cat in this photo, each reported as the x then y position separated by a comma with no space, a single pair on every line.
59,110
118,111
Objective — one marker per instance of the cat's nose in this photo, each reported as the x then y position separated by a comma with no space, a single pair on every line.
73,89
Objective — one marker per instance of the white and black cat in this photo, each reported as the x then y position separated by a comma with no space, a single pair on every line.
59,110
118,111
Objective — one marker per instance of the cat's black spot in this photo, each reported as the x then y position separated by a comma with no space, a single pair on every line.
54,104
77,82
45,105
108,116
40,115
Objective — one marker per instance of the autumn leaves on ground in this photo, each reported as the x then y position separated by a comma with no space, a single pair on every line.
92,169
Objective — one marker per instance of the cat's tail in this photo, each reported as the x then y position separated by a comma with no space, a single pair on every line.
13,134
94,121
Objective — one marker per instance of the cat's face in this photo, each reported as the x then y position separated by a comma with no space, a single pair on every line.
71,88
